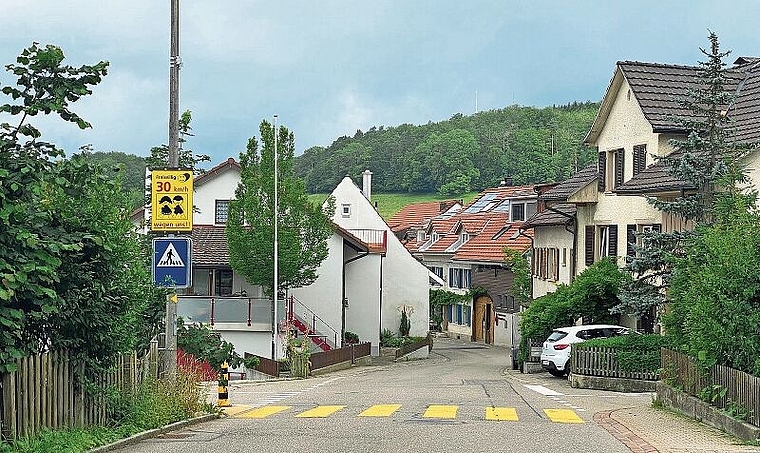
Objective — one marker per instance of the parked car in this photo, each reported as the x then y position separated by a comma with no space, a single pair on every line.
555,353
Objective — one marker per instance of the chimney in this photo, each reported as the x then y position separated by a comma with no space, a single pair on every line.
506,182
367,184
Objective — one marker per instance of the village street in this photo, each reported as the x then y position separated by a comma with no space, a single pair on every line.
461,399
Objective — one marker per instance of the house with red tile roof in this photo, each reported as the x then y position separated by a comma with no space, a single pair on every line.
410,222
466,250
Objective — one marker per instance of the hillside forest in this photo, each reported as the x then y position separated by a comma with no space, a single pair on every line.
452,157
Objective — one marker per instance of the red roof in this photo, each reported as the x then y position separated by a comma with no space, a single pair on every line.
417,214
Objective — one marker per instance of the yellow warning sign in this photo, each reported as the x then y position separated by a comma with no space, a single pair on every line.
171,200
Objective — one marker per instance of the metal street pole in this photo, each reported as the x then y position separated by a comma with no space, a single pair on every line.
275,292
170,357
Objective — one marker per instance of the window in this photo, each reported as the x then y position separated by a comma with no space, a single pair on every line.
634,238
434,237
611,166
421,236
222,208
546,264
466,315
346,210
607,240
459,315
639,158
518,212
459,278
437,270
222,282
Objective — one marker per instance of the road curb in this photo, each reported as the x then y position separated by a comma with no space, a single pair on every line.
153,433
621,432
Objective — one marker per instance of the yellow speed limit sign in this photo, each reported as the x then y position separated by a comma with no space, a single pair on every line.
171,200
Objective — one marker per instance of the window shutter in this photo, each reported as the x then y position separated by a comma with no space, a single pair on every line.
639,158
631,239
556,264
589,245
619,167
602,169
613,238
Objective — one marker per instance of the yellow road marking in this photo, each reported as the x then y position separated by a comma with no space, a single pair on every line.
562,416
320,412
501,414
440,411
380,410
264,412
236,409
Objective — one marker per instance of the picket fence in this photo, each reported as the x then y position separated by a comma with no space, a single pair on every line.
44,391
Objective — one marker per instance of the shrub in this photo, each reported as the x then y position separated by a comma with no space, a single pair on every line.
633,352
350,337
386,336
404,325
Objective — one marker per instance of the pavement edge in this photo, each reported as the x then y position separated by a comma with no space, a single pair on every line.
620,432
153,433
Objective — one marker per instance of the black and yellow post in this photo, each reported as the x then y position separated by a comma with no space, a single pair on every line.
224,377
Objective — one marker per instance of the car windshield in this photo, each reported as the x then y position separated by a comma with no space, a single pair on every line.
556,335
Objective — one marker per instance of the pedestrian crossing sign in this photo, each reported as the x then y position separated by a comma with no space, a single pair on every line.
172,262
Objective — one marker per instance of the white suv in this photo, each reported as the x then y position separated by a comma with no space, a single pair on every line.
555,354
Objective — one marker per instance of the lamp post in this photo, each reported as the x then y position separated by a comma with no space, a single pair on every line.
275,291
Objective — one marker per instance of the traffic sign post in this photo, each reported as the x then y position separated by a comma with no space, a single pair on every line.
172,262
171,200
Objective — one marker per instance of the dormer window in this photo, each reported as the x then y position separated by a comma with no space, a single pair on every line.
434,237
464,237
421,236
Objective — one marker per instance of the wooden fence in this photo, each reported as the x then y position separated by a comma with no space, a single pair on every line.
267,366
411,347
603,362
742,389
45,393
344,354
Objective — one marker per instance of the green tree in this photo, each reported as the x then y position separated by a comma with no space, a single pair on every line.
708,164
449,162
522,287
72,272
159,155
303,228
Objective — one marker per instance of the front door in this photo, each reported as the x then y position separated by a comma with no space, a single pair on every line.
482,320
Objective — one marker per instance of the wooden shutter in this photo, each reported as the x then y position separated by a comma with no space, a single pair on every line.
631,240
589,244
619,167
602,169
612,236
639,158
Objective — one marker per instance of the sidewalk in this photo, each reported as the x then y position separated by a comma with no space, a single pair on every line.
645,429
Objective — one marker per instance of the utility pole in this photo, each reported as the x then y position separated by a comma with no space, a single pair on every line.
173,162
275,292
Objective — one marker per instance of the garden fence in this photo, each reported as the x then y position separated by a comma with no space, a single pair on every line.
602,361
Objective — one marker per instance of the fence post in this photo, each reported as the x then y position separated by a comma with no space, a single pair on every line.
8,420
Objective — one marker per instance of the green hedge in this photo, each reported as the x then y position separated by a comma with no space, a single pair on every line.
633,352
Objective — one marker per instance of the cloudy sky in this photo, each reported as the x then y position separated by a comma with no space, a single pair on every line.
330,67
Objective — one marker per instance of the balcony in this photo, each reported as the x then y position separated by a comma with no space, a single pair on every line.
377,240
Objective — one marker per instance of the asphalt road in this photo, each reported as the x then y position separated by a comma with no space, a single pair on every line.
462,399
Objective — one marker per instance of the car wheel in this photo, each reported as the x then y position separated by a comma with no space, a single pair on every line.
556,373
567,369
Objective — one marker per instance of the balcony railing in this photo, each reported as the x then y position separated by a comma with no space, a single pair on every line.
374,238
219,309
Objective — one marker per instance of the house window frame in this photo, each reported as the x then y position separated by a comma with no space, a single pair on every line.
221,288
221,218
345,210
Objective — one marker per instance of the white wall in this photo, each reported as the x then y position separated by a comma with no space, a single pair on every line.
405,280
218,187
363,293
324,296
555,237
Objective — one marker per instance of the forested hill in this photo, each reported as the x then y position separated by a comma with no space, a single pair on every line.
464,153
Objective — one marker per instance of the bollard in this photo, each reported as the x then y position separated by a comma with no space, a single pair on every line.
224,378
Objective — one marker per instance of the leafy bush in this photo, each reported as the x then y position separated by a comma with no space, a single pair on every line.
206,345
350,337
633,352
591,296
385,337
401,341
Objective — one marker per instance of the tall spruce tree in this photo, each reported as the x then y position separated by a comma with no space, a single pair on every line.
707,162
303,228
